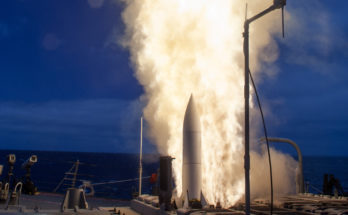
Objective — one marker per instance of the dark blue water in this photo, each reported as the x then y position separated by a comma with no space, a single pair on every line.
315,167
95,167
104,167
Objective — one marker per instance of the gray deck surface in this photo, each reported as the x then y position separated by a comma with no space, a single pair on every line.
50,203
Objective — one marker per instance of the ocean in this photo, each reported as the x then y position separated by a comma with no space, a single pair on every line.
51,167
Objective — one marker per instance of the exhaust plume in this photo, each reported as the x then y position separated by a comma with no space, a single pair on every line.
179,47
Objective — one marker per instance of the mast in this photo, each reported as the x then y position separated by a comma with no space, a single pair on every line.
277,4
141,155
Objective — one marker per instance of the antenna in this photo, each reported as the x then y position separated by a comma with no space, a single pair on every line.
283,21
280,4
141,156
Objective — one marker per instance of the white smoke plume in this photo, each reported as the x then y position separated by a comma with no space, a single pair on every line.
179,47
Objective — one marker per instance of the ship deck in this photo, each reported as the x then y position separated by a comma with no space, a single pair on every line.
50,203
302,204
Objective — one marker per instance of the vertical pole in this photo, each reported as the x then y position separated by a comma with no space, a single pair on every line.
141,155
246,120
75,173
276,4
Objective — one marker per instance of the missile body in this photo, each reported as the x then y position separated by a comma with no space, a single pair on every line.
192,170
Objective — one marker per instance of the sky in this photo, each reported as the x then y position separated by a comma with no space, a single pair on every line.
66,84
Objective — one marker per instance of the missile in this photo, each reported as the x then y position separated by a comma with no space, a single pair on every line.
191,169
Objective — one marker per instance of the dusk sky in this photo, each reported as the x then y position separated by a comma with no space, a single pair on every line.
66,84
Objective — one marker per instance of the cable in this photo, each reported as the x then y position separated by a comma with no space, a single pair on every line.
265,131
120,181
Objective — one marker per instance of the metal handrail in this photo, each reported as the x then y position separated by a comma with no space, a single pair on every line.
299,174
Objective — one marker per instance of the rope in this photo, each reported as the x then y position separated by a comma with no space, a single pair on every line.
120,181
316,189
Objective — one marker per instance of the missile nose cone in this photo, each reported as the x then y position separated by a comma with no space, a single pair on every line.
191,119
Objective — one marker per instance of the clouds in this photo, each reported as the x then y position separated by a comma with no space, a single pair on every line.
86,125
60,89
46,56
312,80
4,31
51,42
313,108
313,35
95,3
